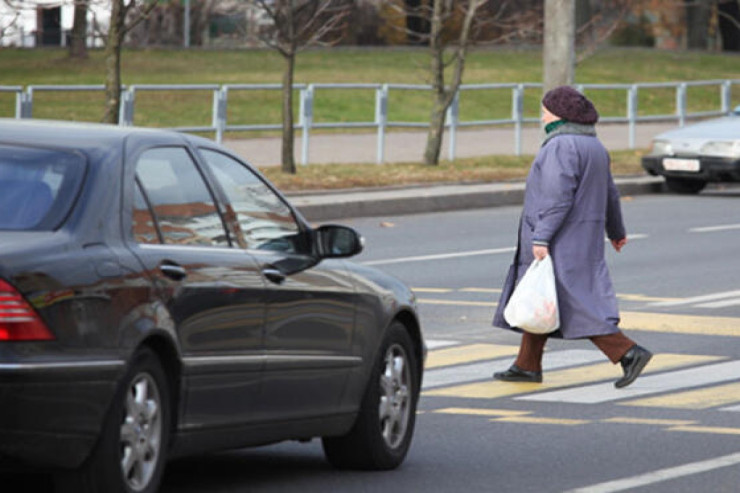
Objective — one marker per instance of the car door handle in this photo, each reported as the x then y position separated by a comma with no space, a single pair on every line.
273,275
173,271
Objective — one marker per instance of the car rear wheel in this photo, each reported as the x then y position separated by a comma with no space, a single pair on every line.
381,436
131,451
685,185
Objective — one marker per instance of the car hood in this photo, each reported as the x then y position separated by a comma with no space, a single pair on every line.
727,128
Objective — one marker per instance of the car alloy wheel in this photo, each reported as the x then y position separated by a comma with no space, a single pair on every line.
141,432
395,397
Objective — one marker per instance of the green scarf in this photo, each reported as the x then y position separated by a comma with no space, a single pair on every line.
553,125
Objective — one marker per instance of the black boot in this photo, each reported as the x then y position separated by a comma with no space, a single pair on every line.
633,362
516,374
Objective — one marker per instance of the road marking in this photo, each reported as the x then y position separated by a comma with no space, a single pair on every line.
731,409
711,229
693,399
481,412
605,392
642,297
441,256
698,299
564,378
720,304
541,421
661,475
716,430
429,301
442,377
432,290
480,290
680,324
467,354
647,421
433,344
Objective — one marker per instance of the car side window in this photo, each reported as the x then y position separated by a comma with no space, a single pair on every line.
183,206
143,225
262,219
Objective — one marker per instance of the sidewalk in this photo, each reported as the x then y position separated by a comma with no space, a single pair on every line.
409,146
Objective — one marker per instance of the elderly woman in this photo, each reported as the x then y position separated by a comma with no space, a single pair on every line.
570,200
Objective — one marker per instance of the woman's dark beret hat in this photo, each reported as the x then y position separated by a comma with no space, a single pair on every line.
570,105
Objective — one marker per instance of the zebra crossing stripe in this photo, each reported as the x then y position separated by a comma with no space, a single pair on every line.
680,324
645,385
705,398
566,378
468,354
698,299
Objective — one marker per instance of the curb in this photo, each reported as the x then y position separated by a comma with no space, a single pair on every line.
414,200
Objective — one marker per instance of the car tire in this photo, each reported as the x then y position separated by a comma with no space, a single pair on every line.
381,435
685,185
131,451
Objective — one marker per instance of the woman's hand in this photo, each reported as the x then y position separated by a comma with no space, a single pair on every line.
618,244
540,252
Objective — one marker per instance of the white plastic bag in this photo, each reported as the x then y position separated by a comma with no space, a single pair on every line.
533,305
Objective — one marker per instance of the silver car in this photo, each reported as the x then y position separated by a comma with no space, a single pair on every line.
692,156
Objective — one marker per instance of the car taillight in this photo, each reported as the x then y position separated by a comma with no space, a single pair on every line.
18,320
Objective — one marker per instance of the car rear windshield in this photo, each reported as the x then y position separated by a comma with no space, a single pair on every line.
37,186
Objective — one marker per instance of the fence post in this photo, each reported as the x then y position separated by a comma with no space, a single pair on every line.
306,117
220,98
24,104
726,91
381,119
453,114
126,109
632,101
681,103
517,114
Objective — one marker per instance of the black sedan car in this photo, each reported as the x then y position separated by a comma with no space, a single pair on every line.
158,298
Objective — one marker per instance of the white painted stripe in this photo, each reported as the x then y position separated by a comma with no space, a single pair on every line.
734,409
720,304
698,299
439,343
443,377
661,475
711,229
653,384
441,256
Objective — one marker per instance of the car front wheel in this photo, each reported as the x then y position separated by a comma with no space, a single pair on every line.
131,451
382,433
685,185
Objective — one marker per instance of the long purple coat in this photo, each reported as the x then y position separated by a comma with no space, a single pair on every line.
570,201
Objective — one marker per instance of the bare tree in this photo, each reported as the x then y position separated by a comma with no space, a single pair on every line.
124,16
559,43
78,39
295,25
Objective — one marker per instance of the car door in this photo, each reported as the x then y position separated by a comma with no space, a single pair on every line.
310,306
214,293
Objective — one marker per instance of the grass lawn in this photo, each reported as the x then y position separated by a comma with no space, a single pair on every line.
356,65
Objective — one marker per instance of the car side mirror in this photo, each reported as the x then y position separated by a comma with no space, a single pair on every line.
334,241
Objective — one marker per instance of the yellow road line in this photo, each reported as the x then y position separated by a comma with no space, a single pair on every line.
429,301
431,290
468,354
681,324
565,378
646,421
480,290
641,297
481,412
718,430
541,421
693,399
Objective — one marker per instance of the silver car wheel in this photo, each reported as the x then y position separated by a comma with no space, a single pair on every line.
141,432
395,396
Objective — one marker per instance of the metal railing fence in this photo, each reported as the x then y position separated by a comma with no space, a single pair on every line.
381,122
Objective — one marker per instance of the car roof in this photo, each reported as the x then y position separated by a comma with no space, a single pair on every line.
725,128
75,135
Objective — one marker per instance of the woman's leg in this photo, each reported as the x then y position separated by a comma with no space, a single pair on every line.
530,352
614,346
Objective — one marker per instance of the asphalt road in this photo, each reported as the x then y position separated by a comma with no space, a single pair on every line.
675,429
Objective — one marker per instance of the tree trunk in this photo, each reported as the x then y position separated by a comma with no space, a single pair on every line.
697,23
78,41
559,43
287,154
436,131
113,64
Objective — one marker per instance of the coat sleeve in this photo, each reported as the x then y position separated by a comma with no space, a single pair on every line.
615,229
559,178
